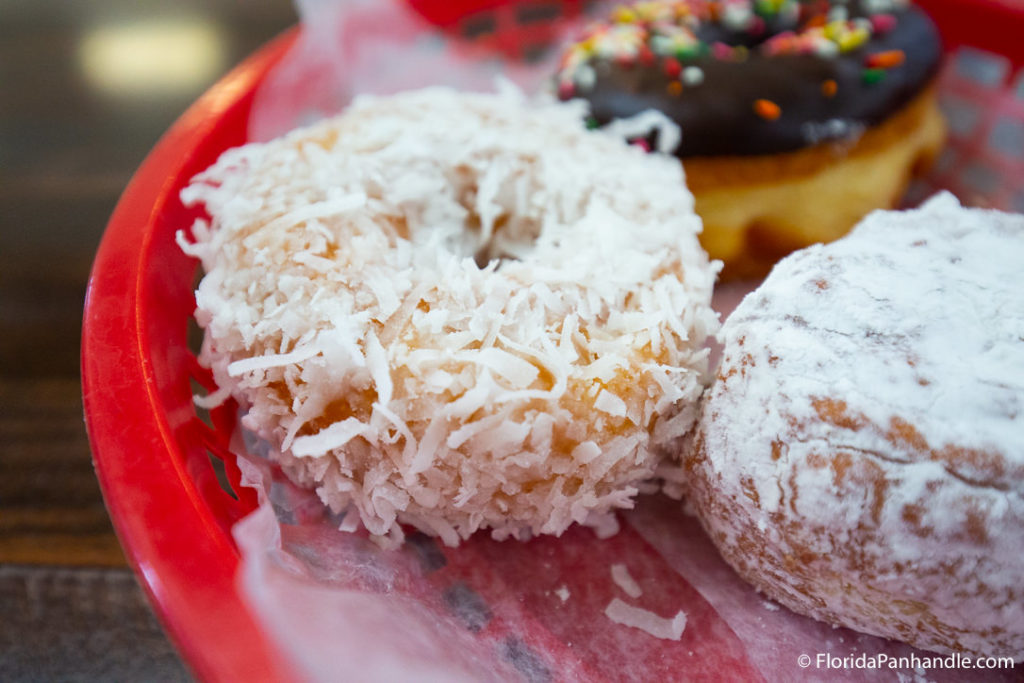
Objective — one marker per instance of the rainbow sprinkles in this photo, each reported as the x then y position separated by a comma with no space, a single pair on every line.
670,33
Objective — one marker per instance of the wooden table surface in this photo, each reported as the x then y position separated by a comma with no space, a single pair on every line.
87,89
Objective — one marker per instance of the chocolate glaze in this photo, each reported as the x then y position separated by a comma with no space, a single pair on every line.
717,116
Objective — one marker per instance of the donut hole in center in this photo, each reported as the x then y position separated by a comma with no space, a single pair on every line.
505,242
511,233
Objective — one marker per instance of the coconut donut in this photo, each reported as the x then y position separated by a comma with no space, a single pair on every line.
455,311
860,457
798,117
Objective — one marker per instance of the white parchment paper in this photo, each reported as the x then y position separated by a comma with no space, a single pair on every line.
341,609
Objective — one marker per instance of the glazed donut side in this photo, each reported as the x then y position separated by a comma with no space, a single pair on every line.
859,457
758,209
456,311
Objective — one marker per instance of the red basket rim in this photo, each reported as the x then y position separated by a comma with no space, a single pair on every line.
123,415
992,25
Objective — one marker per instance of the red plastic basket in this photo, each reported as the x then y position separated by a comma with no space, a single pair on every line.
153,453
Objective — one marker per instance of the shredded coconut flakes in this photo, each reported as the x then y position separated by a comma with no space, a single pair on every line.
645,620
455,311
624,580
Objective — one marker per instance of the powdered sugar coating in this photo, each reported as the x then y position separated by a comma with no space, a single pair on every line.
456,311
861,456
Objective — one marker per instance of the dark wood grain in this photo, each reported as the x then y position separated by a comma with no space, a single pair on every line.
63,624
67,150
52,512
72,609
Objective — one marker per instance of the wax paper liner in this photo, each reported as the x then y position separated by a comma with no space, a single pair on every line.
341,608
350,47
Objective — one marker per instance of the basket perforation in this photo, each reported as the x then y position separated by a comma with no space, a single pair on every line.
977,89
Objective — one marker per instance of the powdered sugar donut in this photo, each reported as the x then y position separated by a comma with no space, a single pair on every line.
860,457
455,311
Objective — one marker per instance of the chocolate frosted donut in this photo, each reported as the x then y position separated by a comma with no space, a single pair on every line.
768,95
708,65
